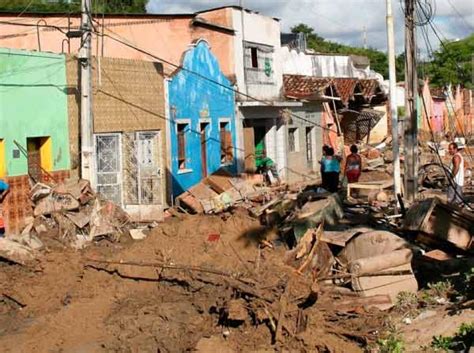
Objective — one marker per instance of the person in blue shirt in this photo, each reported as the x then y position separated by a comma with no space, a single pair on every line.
3,189
331,167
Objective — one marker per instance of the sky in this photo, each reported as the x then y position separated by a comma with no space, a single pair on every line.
344,20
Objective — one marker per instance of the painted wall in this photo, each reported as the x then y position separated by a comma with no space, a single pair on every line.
166,36
193,100
259,29
33,103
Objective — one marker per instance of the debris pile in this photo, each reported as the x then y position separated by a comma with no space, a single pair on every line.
220,191
74,214
302,271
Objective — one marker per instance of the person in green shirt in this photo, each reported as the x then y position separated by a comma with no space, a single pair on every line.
268,165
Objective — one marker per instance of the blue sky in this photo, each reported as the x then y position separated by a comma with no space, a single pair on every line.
343,20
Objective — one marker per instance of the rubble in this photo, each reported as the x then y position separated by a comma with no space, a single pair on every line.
218,192
440,224
73,213
287,268
15,252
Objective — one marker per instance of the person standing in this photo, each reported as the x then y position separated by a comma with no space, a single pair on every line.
455,194
331,169
323,175
353,166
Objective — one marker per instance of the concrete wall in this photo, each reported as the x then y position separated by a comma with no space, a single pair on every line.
33,103
296,62
193,100
298,167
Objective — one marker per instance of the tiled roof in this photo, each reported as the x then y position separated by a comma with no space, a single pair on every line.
345,88
368,88
300,86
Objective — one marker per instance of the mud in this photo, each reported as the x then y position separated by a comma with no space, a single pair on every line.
67,301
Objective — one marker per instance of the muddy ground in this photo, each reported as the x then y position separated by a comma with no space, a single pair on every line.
68,301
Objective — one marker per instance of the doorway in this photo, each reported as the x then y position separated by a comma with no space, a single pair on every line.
39,157
204,132
260,132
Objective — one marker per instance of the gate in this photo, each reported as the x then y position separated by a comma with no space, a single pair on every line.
109,166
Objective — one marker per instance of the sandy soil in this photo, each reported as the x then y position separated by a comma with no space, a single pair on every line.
65,302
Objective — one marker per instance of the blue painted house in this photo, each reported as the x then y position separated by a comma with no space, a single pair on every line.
202,119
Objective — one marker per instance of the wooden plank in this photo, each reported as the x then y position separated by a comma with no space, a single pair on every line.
249,149
220,181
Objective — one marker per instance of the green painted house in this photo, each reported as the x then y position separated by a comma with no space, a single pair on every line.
33,113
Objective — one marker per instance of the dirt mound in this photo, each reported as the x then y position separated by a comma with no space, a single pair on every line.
195,282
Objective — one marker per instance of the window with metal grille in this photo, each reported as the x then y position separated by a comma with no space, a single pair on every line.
182,129
293,139
227,150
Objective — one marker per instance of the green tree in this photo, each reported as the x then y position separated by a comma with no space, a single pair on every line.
104,6
452,63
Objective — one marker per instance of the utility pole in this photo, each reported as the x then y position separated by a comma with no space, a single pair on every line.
393,100
87,146
411,93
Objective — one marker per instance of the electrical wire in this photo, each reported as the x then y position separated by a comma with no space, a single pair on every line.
25,9
267,103
177,66
469,26
449,175
430,50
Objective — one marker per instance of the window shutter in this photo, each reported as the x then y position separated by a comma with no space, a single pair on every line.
181,146
229,151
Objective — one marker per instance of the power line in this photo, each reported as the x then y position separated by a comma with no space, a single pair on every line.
175,66
209,79
460,16
25,9
455,118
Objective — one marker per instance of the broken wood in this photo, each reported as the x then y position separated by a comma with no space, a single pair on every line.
309,258
281,315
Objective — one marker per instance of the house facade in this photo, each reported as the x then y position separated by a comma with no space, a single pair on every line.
202,123
245,43
34,144
129,133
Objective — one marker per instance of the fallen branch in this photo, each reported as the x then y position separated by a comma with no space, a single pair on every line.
13,300
164,265
230,279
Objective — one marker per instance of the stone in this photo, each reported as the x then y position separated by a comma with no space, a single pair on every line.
15,252
137,234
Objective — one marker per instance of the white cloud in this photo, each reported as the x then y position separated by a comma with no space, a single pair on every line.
343,20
